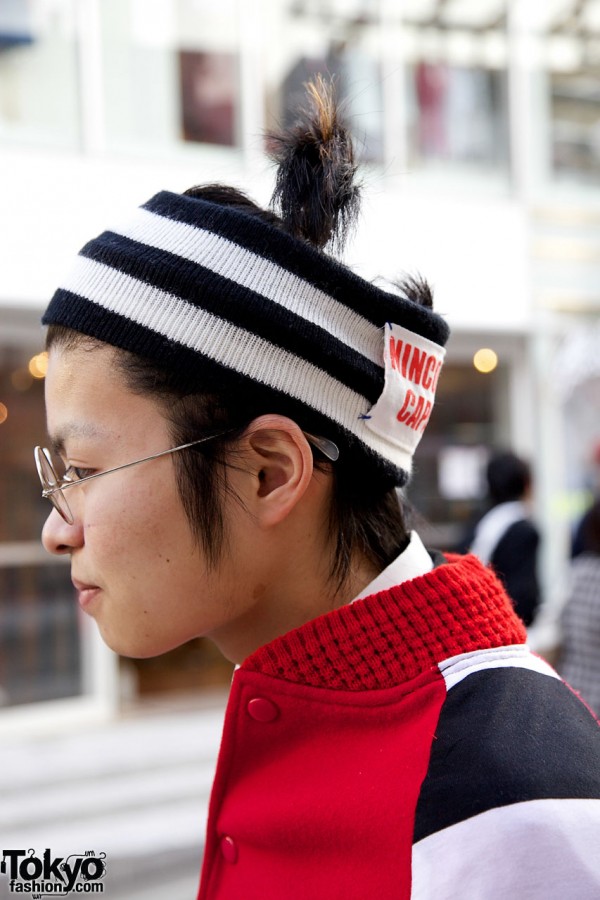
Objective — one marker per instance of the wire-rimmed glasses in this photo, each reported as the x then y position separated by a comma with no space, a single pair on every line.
53,485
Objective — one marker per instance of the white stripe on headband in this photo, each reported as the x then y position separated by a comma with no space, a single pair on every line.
248,269
230,345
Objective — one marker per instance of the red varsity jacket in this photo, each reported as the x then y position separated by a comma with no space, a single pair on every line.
406,745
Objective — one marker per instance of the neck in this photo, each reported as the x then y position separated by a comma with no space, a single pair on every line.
284,569
301,593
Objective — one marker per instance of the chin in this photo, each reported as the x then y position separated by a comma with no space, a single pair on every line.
139,646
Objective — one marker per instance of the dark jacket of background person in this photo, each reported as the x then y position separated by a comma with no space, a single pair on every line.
580,655
578,543
506,538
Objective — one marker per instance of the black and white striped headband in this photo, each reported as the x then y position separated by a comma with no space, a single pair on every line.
197,285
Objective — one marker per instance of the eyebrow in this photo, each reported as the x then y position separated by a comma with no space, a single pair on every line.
74,429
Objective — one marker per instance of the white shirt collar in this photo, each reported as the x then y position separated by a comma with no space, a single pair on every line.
412,562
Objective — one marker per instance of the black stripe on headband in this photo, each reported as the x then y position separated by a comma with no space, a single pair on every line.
234,303
196,371
323,272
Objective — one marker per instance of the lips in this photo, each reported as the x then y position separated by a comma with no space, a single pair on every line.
86,593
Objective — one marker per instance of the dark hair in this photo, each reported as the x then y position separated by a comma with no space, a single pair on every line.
591,530
508,477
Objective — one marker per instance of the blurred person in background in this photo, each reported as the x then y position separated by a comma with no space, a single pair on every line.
580,621
579,539
231,412
505,537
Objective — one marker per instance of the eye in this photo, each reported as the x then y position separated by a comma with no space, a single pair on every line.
75,473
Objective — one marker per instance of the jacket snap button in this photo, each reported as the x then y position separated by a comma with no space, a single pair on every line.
262,710
228,849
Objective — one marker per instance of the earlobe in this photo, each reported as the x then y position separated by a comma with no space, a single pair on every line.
284,465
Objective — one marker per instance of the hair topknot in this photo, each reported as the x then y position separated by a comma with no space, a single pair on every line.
315,189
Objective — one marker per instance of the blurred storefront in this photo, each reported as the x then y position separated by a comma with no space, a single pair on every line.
478,125
39,646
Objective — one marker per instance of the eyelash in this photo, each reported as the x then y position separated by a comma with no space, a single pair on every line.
78,472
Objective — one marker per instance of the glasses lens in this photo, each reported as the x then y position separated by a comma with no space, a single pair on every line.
50,480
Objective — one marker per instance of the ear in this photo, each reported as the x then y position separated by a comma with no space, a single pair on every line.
282,464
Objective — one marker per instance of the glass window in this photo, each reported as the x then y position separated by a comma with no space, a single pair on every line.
335,39
40,646
575,110
457,88
208,89
39,633
458,115
567,40
448,488
21,428
171,74
39,96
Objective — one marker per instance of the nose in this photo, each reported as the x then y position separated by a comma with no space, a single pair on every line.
58,537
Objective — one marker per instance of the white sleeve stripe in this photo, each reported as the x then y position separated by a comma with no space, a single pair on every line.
518,656
539,849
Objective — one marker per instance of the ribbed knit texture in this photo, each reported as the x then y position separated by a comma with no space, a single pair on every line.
456,608
224,298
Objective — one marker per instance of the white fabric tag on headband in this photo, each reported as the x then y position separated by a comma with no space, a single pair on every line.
412,368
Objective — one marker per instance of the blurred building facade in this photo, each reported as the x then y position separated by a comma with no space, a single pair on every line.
479,128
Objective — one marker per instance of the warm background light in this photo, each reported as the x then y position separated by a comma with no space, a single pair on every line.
3,413
38,365
485,360
21,379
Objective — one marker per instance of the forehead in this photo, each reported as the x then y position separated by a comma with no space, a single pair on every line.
87,397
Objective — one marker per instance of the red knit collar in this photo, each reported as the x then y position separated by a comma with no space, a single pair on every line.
393,636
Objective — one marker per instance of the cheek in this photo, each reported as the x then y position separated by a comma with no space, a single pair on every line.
137,520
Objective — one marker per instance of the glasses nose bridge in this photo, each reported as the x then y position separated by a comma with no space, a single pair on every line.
60,504
52,484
